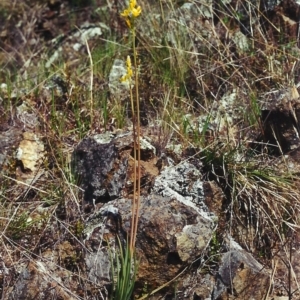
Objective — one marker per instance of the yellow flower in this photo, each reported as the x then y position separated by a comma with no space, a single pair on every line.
128,64
133,11
128,75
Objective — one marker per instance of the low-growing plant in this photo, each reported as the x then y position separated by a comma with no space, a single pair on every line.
125,266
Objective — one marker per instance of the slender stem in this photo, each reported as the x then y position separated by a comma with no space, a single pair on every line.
133,208
137,141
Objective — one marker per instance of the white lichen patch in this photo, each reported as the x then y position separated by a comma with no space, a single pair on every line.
145,145
86,34
175,148
54,57
103,138
183,182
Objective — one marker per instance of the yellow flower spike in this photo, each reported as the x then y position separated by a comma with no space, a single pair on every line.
133,11
136,11
128,64
128,75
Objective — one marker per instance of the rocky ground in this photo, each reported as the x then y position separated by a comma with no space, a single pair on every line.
220,199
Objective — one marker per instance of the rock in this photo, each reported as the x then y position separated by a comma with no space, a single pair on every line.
213,197
104,164
193,18
44,279
175,227
240,41
12,134
240,276
55,88
190,240
99,267
96,160
280,114
183,183
171,234
175,224
30,154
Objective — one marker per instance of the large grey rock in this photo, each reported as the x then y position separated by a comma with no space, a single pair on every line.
104,165
102,170
241,276
171,234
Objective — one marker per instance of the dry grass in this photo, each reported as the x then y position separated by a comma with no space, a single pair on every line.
185,79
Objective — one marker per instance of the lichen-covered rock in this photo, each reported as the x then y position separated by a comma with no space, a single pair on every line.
27,116
193,22
183,183
104,165
240,276
21,134
175,227
101,167
171,234
175,224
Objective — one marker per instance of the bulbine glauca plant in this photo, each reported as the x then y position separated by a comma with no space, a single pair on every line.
127,264
130,14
